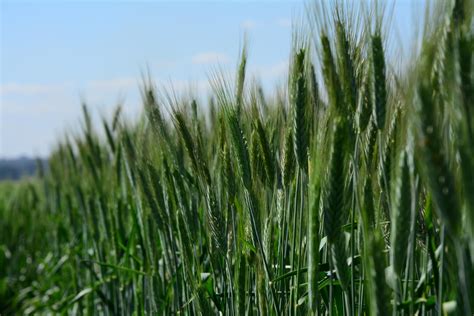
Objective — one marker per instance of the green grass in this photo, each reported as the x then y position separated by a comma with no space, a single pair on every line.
350,192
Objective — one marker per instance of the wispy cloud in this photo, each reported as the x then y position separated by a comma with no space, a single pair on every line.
63,97
272,72
30,89
210,58
114,84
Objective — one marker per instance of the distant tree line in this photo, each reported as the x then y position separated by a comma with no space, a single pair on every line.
15,169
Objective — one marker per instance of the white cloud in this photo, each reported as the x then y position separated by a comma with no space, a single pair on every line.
272,72
115,84
20,89
35,115
29,89
197,88
248,24
210,58
64,98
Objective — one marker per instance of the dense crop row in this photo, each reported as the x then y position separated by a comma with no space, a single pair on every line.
351,192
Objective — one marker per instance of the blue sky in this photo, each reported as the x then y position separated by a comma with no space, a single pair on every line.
56,53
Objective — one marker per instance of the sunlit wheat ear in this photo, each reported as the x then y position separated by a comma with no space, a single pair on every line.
155,117
152,110
379,77
216,222
186,138
157,188
240,147
229,176
267,236
188,212
266,152
87,118
346,67
299,100
436,171
169,190
256,157
335,214
214,215
152,202
331,78
314,97
109,135
401,215
116,117
288,161
241,80
389,149
365,102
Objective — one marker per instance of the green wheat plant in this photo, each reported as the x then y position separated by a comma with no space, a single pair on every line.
349,191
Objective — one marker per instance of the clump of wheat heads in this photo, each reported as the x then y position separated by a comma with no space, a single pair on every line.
335,213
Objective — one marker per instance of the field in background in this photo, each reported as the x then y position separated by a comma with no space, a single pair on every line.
350,192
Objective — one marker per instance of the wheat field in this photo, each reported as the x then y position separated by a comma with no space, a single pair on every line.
349,191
